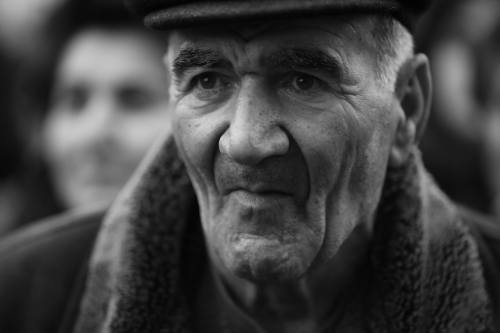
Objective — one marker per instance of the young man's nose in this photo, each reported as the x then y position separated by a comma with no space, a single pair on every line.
255,131
99,120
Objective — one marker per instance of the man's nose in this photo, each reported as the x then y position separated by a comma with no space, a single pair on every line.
255,131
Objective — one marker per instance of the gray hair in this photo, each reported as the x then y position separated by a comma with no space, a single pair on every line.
393,45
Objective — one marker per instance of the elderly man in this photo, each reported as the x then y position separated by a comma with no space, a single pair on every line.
292,197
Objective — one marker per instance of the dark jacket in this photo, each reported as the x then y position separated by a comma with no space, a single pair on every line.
42,273
435,268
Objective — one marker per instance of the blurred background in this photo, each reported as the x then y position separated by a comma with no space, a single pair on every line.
83,95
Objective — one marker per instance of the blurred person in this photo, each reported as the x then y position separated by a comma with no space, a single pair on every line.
108,102
456,57
21,23
21,42
452,145
95,105
491,126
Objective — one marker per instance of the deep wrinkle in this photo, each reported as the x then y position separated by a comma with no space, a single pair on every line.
288,59
191,57
302,58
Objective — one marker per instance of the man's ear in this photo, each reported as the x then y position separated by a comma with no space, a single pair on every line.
413,91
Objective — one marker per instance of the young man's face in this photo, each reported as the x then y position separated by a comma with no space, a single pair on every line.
108,104
285,131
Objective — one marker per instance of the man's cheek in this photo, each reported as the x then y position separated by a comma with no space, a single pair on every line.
189,150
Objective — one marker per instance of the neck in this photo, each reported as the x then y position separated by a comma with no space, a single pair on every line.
308,303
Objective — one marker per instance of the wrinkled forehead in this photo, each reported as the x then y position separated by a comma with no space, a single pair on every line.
336,32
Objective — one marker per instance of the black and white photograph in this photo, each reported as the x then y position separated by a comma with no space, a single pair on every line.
250,166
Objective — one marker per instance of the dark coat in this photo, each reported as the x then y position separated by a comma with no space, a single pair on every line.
436,268
42,273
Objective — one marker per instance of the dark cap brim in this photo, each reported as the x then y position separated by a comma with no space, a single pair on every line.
210,12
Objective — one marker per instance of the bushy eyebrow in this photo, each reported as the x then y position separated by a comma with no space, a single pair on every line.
293,58
297,58
190,57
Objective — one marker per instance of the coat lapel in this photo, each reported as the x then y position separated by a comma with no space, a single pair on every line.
426,272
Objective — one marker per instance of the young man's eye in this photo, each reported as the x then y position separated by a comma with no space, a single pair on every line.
72,99
135,99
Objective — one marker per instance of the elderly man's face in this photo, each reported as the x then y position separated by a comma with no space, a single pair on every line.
285,131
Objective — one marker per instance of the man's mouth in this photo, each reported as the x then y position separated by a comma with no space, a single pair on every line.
259,198
261,189
265,194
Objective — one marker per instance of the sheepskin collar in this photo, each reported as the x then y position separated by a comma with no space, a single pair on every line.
149,252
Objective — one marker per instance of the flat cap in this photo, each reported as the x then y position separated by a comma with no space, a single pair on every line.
168,14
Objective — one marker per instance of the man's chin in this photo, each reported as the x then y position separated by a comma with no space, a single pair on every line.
267,260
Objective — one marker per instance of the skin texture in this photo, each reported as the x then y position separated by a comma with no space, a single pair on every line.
286,134
110,101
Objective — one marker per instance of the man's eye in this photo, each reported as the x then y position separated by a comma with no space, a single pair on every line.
210,81
305,83
304,86
210,86
207,81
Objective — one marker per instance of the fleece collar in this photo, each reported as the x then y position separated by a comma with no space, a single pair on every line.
427,276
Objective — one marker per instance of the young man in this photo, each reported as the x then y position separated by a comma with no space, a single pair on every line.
292,197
